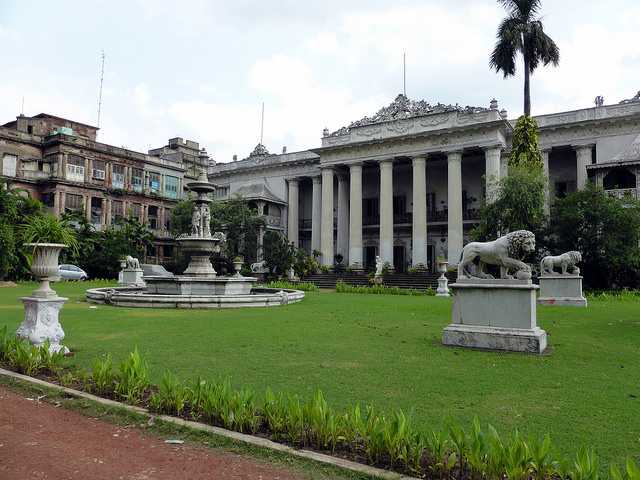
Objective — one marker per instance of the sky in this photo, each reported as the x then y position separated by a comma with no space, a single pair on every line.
201,69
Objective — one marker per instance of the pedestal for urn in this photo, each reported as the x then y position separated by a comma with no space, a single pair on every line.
495,314
41,322
563,290
443,282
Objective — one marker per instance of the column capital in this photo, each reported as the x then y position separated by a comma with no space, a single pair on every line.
419,158
583,146
454,155
355,165
545,150
316,178
327,168
293,180
342,176
386,161
493,147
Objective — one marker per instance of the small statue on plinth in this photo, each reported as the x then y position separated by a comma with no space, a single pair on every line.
443,282
206,221
562,288
377,277
566,262
131,275
196,227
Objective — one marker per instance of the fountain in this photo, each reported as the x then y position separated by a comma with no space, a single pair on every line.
199,286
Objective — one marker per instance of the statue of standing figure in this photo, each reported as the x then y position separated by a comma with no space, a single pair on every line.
206,221
196,227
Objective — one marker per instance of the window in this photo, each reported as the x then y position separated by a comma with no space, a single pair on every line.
136,179
9,163
117,177
117,211
154,182
431,202
171,185
73,203
152,217
136,211
399,205
30,129
98,170
75,168
371,207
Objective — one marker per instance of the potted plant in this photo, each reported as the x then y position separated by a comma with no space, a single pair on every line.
47,235
237,265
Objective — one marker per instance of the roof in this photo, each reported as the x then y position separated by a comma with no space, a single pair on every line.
403,107
258,191
48,115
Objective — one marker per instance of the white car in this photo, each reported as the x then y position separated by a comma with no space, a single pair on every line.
71,272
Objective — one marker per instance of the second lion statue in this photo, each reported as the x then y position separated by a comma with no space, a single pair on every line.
567,263
501,252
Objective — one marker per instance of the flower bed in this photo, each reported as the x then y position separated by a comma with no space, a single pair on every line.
364,434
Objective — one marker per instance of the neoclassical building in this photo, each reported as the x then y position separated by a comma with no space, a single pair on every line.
407,183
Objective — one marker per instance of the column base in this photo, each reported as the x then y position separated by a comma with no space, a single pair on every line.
41,322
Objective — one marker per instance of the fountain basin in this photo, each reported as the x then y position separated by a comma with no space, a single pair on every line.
139,298
188,285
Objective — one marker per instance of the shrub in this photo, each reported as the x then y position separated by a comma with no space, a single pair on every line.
342,287
172,396
304,286
103,376
133,378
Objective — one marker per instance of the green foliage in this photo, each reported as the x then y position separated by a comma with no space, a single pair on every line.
278,252
49,229
171,397
100,252
605,230
181,217
342,287
525,152
103,376
29,359
133,378
304,264
519,205
304,286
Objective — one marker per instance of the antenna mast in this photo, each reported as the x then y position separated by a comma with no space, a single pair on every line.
102,56
22,109
404,73
262,124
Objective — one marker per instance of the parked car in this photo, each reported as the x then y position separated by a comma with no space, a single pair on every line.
71,272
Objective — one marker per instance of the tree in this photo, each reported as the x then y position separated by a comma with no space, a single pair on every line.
522,32
605,230
279,254
519,205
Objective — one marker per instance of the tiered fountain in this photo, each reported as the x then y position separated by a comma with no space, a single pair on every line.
199,286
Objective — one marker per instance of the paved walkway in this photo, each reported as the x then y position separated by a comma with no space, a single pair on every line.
41,441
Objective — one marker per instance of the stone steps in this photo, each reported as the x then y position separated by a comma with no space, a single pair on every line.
400,280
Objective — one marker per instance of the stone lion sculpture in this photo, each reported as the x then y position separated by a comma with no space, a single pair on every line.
132,263
566,262
500,252
259,267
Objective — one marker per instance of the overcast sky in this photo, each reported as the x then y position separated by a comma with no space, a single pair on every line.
200,69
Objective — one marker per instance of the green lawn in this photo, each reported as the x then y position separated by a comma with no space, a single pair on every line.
386,350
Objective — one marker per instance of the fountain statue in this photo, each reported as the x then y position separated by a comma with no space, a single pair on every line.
199,286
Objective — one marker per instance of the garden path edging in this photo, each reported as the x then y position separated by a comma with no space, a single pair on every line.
236,436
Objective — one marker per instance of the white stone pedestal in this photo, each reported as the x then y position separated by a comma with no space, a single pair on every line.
41,322
564,290
496,315
443,287
132,277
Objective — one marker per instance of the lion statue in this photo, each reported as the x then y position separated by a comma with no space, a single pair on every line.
566,262
132,263
500,252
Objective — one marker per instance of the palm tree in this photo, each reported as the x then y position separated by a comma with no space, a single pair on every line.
522,32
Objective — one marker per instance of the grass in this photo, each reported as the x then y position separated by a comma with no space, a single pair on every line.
386,350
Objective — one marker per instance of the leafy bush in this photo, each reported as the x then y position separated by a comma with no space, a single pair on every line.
342,287
29,359
172,396
133,378
49,229
525,151
304,286
103,376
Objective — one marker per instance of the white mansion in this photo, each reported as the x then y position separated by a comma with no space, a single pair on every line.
408,182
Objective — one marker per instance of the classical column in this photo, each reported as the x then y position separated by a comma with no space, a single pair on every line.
326,238
343,217
87,208
583,158
419,229
547,183
492,172
386,211
355,216
316,213
454,197
292,222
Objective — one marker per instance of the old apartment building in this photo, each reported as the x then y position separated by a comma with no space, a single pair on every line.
60,163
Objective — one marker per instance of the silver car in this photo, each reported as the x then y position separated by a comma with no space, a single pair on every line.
71,272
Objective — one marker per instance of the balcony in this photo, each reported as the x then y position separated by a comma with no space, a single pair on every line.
623,193
272,220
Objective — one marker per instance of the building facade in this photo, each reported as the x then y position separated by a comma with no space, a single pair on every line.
60,163
407,183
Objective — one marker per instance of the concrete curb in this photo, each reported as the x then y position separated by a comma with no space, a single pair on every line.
236,436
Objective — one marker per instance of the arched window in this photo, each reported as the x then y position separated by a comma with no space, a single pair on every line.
619,178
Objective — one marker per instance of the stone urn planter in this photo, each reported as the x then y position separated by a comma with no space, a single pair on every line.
44,267
237,266
443,283
41,309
